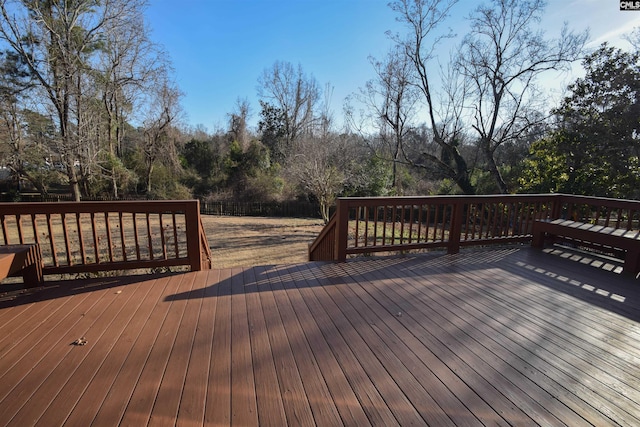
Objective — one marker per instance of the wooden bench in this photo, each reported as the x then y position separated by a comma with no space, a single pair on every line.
24,260
627,241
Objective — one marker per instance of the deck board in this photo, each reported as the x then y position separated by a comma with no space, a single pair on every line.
167,402
60,387
244,408
505,371
194,393
45,353
456,398
218,405
505,336
343,395
297,405
110,363
369,396
118,398
454,347
379,344
321,403
270,405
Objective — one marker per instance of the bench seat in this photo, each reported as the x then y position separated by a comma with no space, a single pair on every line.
25,260
609,237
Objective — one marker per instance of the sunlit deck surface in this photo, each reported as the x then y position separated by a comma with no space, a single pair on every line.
507,336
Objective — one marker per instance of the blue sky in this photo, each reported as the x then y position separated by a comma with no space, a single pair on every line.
219,48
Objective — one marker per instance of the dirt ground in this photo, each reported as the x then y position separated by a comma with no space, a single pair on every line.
251,241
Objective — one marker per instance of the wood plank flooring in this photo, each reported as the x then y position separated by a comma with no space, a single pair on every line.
508,336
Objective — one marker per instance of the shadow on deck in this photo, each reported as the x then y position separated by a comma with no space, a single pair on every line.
509,336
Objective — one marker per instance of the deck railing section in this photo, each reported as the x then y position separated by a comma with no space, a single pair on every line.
615,213
76,237
384,224
612,213
323,248
391,224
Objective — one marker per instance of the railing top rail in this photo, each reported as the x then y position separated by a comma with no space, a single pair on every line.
452,196
461,198
146,206
600,201
355,201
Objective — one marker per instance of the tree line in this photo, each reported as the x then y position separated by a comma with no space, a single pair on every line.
87,103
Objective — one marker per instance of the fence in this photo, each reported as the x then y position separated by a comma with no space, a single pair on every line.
293,209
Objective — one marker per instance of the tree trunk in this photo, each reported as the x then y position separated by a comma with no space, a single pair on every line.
494,171
461,178
149,172
74,185
324,209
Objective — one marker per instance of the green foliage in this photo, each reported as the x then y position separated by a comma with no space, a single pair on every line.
200,156
484,182
125,178
372,177
202,163
16,77
250,174
594,149
379,177
166,186
447,186
42,176
545,171
405,181
273,130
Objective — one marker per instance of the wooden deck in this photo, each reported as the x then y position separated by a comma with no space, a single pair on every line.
508,336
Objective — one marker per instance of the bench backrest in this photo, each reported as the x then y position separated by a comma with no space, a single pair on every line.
614,213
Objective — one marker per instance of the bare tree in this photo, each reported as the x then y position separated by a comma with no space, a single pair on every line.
238,127
422,18
17,150
294,94
161,119
634,38
319,168
58,42
127,62
501,58
324,121
391,101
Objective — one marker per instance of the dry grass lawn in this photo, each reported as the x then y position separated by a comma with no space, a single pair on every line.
251,241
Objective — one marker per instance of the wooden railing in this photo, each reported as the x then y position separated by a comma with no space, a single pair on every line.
615,213
80,237
391,224
616,216
324,246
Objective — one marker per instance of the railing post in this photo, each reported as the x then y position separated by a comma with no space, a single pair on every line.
556,205
342,230
192,219
453,246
